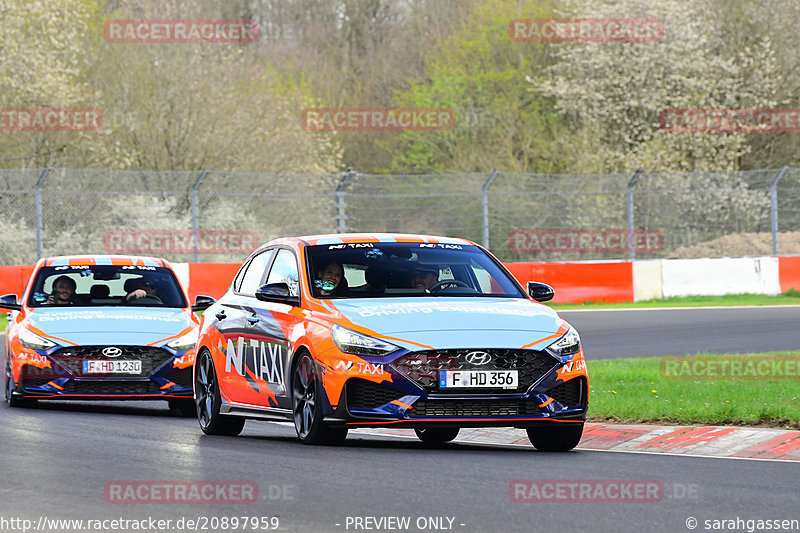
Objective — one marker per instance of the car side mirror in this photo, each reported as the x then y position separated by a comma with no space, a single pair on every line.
202,302
541,292
277,292
9,301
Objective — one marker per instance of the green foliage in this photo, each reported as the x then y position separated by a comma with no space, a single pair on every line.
479,73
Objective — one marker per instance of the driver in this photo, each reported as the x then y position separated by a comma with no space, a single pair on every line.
424,276
63,291
144,288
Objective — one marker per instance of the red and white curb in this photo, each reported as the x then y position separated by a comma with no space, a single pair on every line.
710,441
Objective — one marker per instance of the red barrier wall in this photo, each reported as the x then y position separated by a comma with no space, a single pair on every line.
211,279
14,278
574,282
789,273
580,282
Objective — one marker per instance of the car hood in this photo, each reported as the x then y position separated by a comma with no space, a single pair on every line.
443,323
118,325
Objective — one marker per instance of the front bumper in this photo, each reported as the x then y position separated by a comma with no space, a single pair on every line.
60,375
549,392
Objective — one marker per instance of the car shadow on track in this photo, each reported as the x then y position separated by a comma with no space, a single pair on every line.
375,442
156,409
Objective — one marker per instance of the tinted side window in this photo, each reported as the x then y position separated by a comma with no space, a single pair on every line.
284,270
251,280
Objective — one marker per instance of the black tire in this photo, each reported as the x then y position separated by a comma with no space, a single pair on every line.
555,439
307,406
436,435
208,400
187,408
11,400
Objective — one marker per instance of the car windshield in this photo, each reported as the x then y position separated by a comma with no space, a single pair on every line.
388,270
94,286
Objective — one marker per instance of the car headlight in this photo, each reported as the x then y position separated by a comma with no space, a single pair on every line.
354,343
568,344
30,339
184,342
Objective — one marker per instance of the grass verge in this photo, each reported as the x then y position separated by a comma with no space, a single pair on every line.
790,297
641,391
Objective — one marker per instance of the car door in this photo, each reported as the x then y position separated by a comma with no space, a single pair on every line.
275,326
235,318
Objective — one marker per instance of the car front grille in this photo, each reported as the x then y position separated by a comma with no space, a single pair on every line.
73,357
35,382
181,377
424,367
475,408
364,394
111,387
571,393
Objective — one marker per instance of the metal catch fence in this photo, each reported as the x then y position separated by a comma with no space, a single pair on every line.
221,216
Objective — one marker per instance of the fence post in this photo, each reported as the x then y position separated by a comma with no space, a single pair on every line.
773,197
631,185
341,204
485,206
39,215
196,214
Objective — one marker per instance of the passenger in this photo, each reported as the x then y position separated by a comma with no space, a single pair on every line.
329,280
63,291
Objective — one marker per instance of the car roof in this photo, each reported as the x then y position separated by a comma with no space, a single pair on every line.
340,238
105,260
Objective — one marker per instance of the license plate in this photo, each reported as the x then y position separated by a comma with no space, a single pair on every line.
471,379
112,367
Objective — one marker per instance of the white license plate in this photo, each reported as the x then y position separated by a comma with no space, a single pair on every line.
471,379
112,367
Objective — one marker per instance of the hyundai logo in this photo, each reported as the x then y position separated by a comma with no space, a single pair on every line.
112,351
478,358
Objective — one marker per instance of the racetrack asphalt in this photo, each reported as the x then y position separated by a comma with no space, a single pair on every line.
659,332
59,460
65,461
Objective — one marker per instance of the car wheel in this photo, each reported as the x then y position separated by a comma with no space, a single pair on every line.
187,408
436,435
16,401
555,439
307,406
208,400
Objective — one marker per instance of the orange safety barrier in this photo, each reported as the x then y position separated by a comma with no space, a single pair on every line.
580,282
789,273
574,282
13,279
211,279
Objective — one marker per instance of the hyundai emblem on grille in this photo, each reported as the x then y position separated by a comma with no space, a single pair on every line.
112,351
478,358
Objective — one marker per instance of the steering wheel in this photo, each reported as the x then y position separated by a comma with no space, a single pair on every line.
149,299
439,285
